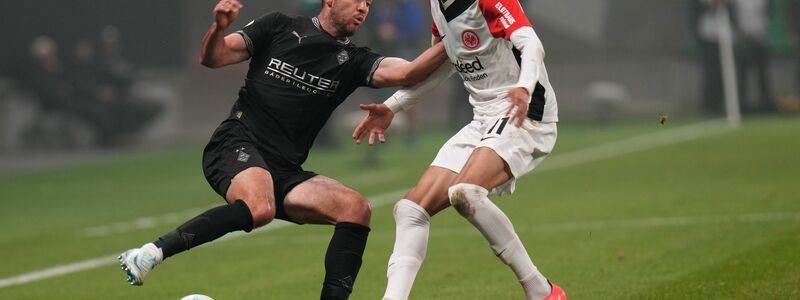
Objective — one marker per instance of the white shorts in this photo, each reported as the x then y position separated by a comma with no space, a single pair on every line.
522,148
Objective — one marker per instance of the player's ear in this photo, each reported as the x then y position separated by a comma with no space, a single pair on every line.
327,3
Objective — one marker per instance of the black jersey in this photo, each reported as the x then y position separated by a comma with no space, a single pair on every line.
298,75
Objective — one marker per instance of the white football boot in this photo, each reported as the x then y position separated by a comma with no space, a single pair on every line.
138,262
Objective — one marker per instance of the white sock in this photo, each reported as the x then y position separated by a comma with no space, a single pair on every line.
154,251
472,203
410,244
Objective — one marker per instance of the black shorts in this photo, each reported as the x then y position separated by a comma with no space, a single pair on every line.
232,150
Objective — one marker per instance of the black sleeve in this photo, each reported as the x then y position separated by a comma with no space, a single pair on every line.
366,62
258,33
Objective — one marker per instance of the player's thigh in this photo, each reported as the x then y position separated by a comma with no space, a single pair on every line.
505,153
254,186
455,152
236,170
431,190
485,168
322,200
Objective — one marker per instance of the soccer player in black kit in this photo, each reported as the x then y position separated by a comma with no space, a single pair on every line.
301,69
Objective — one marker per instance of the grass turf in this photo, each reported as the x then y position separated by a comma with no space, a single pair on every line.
717,217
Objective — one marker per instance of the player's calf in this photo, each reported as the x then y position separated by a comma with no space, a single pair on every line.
472,202
346,248
201,229
410,246
343,260
207,227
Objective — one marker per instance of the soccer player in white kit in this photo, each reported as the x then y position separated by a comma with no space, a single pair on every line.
493,47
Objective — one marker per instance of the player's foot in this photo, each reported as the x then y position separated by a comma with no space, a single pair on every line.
556,293
138,262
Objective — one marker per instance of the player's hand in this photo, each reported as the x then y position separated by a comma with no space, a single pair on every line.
226,12
376,123
518,110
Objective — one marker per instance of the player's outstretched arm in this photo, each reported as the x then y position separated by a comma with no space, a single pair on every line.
394,71
380,115
218,50
375,123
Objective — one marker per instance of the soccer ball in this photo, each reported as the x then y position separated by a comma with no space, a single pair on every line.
196,297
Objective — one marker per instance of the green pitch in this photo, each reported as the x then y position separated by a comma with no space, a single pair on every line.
663,214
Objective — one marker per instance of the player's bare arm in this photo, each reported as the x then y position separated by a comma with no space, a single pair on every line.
394,71
217,49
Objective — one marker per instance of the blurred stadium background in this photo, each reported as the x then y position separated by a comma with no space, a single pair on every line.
104,111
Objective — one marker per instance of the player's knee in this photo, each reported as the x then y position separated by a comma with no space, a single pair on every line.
356,209
263,216
261,208
465,197
433,199
406,212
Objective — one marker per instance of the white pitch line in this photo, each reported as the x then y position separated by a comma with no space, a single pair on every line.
59,270
618,148
141,223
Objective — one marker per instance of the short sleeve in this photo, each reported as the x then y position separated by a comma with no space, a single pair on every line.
503,16
258,33
366,62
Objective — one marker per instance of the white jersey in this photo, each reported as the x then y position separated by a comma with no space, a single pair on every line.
477,37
